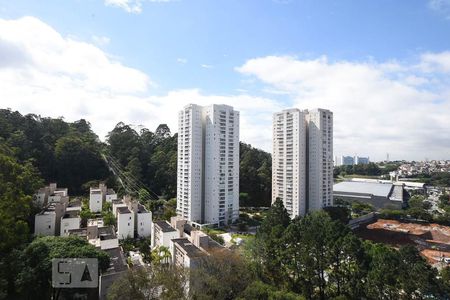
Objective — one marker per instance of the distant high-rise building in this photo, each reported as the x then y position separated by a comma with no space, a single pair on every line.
361,160
302,159
347,160
208,164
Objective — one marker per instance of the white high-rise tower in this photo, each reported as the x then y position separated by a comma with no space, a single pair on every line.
320,158
289,160
302,159
208,164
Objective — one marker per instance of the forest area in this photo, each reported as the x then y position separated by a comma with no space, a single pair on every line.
36,150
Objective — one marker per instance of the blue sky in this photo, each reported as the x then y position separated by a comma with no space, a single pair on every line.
217,50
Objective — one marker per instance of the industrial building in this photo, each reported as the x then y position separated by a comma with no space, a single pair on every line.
379,193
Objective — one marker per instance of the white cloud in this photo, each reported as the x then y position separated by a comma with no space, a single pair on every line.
131,6
182,60
45,73
101,40
436,62
205,66
441,7
377,109
400,108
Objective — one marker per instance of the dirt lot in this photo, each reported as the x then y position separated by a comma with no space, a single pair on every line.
432,240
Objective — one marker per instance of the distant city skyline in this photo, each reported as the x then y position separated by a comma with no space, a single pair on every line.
382,67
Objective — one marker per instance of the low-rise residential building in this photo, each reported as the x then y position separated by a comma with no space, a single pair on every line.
50,193
184,253
110,195
162,233
116,204
96,198
125,223
97,234
48,221
70,220
117,268
143,221
141,217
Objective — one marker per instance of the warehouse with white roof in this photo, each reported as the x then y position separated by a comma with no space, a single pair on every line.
381,194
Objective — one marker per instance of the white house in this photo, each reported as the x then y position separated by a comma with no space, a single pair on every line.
125,223
184,253
70,220
162,233
110,195
143,221
48,221
45,222
115,205
95,200
103,237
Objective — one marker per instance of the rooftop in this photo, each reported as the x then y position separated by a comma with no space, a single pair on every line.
190,249
141,209
110,192
165,226
117,263
71,214
373,188
123,210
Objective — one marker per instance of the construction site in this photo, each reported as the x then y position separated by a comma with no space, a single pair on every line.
432,240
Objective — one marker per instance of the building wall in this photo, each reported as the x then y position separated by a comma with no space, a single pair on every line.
68,224
44,224
115,206
40,199
95,202
125,225
320,158
111,197
289,160
221,164
160,238
143,224
208,164
190,163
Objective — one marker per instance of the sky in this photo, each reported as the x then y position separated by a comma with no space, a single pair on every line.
381,66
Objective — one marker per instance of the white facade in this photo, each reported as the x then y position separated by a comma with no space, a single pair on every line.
289,160
125,223
320,158
70,221
144,223
162,233
208,164
111,197
95,200
302,160
45,223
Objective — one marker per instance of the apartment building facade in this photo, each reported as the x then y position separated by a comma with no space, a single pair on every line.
208,164
302,160
289,160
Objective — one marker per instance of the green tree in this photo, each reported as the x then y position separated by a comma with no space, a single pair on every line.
382,278
35,262
221,275
155,282
268,243
17,185
417,278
